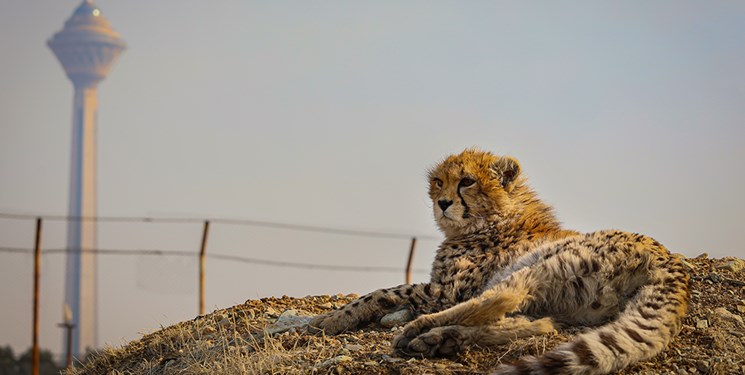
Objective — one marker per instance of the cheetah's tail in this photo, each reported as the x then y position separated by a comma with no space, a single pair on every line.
644,328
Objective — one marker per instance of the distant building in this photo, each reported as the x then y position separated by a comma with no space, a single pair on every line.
86,47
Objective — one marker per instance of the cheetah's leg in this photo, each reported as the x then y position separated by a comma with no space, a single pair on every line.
448,341
508,296
373,306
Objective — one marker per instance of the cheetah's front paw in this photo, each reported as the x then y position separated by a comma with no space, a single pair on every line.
437,342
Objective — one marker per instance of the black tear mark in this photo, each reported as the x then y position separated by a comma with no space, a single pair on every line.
466,210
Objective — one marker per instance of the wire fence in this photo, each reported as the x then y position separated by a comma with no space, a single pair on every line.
226,257
255,223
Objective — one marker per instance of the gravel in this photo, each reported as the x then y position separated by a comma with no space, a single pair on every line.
234,340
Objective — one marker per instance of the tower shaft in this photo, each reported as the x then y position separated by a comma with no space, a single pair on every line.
81,282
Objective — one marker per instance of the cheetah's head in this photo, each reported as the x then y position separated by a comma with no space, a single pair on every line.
470,189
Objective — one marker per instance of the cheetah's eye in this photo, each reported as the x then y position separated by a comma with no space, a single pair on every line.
466,182
438,182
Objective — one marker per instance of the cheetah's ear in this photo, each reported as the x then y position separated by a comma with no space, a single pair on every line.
506,169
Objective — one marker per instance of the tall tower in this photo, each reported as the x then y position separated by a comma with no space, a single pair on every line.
86,47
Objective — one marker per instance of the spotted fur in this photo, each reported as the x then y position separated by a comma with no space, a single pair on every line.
507,269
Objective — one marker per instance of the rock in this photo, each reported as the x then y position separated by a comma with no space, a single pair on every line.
288,320
397,318
741,309
733,265
354,347
702,366
272,312
208,330
714,277
390,359
702,256
342,358
728,316
327,305
702,324
219,317
688,266
335,361
707,340
683,258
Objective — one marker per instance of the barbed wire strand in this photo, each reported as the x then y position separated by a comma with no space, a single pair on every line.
235,258
255,223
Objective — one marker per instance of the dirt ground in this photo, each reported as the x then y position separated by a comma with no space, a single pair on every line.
233,341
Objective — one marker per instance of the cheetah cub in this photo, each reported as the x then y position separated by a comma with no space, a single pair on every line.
507,269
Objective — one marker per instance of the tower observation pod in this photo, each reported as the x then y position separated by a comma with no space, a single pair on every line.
86,47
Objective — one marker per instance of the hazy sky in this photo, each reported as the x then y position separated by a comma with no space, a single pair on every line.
624,115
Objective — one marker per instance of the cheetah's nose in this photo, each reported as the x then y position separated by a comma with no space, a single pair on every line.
444,204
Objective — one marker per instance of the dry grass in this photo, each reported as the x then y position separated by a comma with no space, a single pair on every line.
231,341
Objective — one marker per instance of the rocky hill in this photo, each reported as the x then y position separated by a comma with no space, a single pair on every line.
258,337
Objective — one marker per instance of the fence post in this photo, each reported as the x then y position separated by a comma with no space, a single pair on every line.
37,276
202,252
411,258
